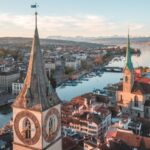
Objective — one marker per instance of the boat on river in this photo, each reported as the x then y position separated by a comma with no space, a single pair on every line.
84,79
92,74
99,92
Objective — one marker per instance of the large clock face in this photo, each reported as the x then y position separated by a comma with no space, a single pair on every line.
27,127
52,124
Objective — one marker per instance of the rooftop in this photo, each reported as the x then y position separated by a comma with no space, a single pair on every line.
70,144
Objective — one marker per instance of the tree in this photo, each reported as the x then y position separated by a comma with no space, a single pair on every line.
83,64
68,70
98,60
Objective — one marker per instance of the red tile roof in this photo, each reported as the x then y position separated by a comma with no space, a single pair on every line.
69,144
133,140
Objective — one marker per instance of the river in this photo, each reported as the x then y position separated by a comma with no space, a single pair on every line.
68,92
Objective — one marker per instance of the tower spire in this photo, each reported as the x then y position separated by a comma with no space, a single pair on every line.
36,13
35,6
37,93
128,64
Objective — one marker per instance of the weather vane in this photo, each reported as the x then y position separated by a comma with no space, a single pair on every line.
35,6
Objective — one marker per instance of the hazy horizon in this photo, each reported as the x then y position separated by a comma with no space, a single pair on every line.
97,18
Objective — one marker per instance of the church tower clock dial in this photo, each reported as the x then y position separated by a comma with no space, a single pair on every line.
27,127
52,123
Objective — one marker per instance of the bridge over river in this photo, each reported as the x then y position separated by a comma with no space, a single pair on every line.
112,69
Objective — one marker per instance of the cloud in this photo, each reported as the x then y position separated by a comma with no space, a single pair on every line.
84,25
136,26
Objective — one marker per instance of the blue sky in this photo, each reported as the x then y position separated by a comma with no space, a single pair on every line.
76,17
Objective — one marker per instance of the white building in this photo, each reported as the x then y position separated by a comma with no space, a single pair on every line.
81,56
2,67
7,78
73,63
50,65
16,87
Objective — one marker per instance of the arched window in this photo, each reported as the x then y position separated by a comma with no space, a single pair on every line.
52,124
126,78
121,99
136,101
26,128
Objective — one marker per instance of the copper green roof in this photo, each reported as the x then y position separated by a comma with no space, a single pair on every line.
128,63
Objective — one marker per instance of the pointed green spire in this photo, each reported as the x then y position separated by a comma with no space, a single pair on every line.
128,64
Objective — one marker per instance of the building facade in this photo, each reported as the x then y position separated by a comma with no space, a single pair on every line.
7,78
16,87
85,116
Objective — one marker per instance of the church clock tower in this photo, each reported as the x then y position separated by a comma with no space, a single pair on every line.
37,109
128,73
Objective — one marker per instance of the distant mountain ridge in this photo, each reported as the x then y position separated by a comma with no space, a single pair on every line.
6,42
102,40
84,42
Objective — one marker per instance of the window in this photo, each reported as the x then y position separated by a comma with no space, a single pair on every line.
93,132
91,127
120,108
136,101
26,128
52,125
138,115
121,99
126,79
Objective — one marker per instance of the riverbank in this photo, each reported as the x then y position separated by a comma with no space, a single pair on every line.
62,79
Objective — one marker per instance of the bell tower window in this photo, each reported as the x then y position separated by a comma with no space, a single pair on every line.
136,101
27,128
126,79
52,125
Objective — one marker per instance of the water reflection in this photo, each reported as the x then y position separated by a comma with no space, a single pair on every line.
5,115
67,93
